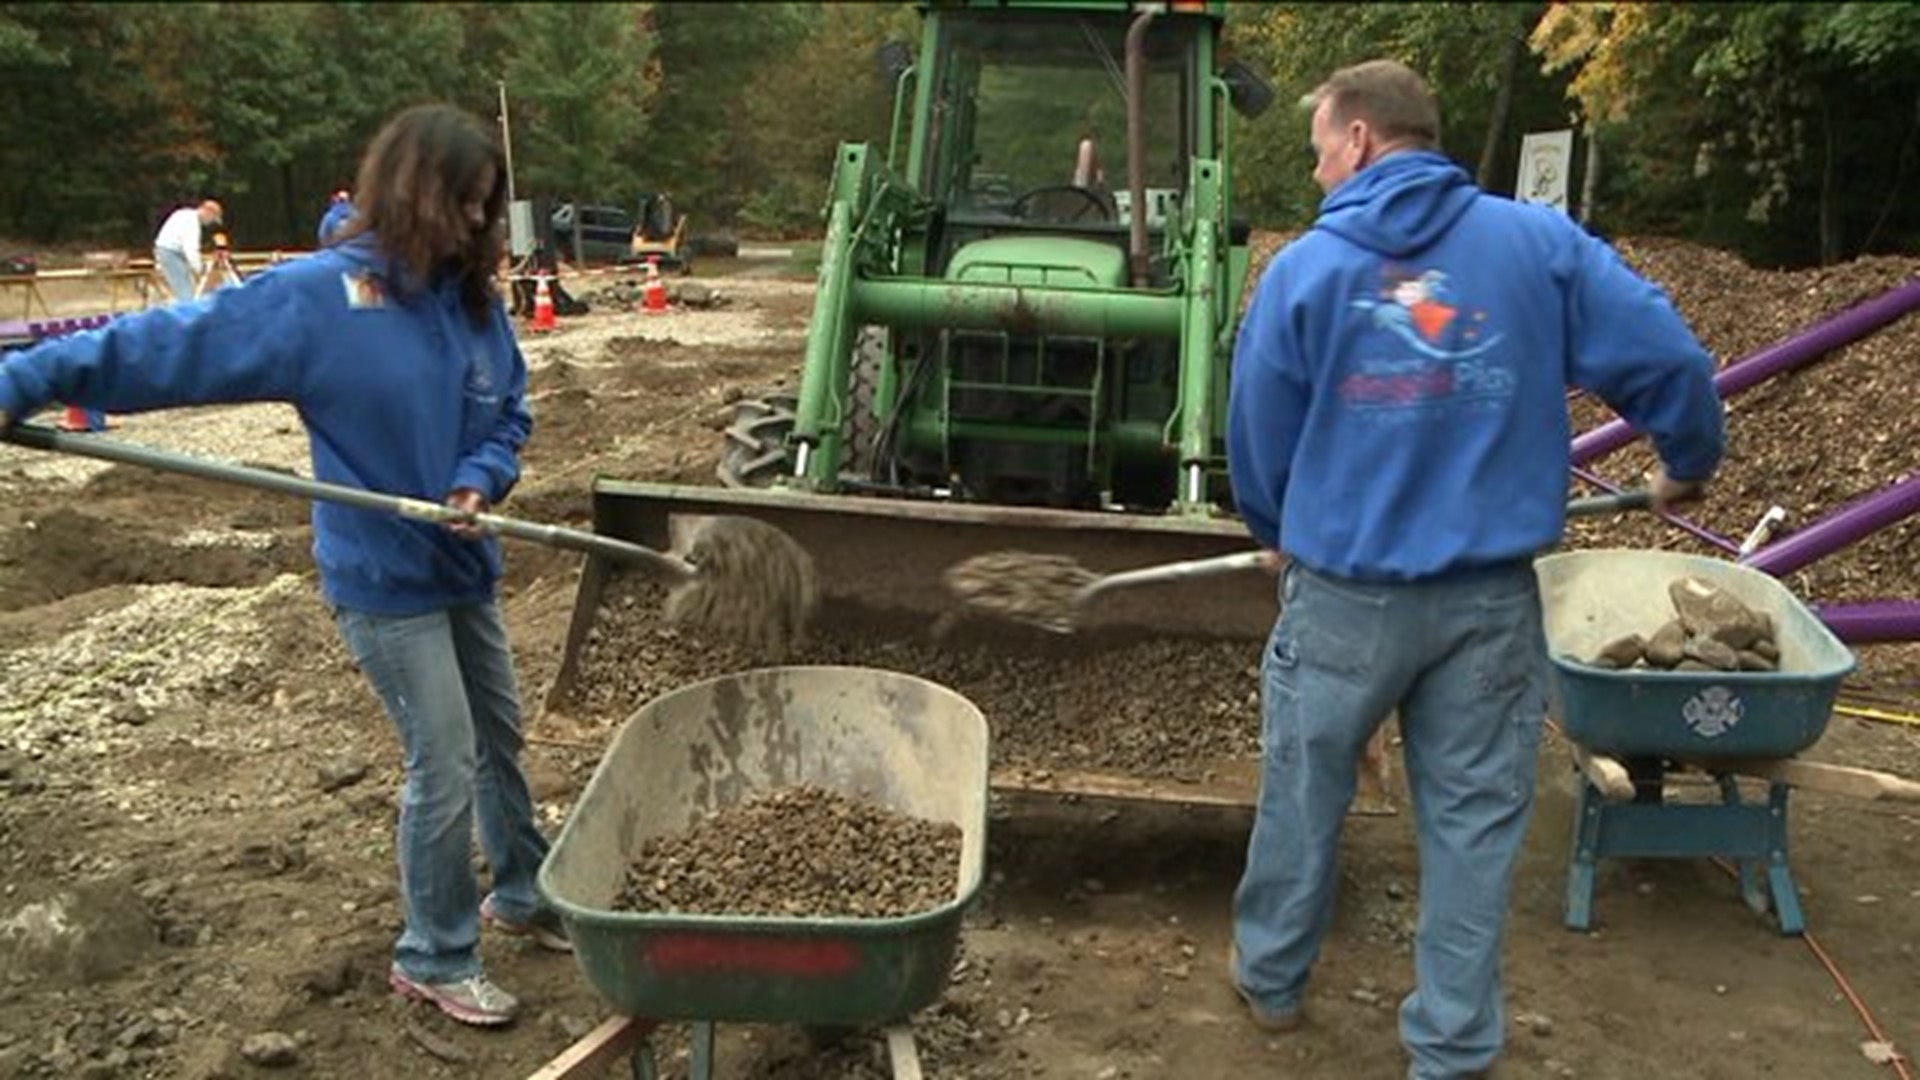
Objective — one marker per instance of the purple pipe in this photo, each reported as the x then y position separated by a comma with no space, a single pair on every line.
1849,524
1876,620
1823,337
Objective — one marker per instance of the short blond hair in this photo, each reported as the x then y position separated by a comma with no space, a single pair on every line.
1389,96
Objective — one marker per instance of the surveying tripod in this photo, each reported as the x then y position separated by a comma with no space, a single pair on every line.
220,269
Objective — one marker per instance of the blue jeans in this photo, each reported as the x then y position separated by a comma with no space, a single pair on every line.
178,272
447,682
1464,660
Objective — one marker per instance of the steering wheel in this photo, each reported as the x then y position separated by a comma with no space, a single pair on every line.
1090,203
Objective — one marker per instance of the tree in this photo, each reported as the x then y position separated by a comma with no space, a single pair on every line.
577,80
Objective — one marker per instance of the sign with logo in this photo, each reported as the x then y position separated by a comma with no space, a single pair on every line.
1546,161
1713,712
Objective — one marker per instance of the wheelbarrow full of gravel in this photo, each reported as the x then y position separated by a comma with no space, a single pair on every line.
1638,723
893,742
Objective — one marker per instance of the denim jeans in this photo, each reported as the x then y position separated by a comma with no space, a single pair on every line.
178,272
447,682
1464,660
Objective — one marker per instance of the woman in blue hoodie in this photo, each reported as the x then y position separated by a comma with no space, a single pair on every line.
394,346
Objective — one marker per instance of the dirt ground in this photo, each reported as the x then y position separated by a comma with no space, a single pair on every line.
197,792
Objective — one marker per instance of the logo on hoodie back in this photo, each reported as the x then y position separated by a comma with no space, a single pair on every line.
1423,349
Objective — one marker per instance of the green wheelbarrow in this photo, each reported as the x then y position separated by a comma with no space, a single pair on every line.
895,740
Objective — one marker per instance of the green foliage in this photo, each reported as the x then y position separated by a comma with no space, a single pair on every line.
829,78
1789,131
1459,48
577,75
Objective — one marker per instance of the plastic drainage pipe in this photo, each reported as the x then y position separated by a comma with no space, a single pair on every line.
1843,329
1856,520
1875,620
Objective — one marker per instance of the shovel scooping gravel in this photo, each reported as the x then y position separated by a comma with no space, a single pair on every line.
737,576
1050,591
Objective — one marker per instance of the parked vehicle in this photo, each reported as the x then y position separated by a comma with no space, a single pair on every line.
605,233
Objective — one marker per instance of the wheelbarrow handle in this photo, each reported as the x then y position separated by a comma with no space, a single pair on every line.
93,446
1595,505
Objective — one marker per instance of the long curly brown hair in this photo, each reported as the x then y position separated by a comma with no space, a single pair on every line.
416,181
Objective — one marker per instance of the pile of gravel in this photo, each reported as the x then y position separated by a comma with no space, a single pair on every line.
802,852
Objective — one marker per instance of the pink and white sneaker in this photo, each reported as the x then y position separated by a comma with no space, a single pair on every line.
472,1000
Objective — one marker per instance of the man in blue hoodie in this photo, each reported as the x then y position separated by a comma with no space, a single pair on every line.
395,348
1398,429
339,212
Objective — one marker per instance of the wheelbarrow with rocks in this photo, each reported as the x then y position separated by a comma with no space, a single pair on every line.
673,921
1664,663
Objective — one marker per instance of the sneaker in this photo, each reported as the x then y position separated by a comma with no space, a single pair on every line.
1279,1023
545,927
472,1000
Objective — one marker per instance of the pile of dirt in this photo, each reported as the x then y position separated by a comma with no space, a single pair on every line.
1052,702
1810,441
803,852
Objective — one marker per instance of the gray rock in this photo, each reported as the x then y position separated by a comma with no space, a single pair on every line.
271,1049
1623,652
330,979
1713,652
336,775
1667,646
1712,612
1753,660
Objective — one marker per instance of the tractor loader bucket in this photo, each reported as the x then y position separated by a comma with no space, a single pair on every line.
881,566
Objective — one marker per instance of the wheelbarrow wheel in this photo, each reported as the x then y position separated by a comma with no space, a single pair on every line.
824,1037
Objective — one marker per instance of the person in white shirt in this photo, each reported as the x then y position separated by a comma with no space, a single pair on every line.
176,250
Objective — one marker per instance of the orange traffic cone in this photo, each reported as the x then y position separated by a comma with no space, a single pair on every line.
542,305
654,297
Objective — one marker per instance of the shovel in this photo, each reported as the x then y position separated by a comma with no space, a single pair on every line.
737,575
1050,591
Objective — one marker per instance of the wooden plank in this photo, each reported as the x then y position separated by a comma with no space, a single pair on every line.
1059,783
614,1039
1606,774
1821,776
902,1054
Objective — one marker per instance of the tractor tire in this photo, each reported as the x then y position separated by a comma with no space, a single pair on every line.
756,449
861,431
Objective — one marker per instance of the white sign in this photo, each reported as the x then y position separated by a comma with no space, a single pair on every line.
1546,160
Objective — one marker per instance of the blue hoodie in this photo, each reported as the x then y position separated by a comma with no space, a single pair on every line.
399,393
1398,407
339,212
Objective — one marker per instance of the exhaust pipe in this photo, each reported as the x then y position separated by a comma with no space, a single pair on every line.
1136,148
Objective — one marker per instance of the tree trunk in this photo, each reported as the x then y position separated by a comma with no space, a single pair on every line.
1829,217
1502,107
1590,182
290,210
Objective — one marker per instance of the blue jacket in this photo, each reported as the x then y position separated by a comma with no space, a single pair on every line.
1398,405
337,214
399,393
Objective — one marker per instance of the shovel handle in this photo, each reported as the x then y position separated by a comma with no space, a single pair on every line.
93,446
1594,505
1179,571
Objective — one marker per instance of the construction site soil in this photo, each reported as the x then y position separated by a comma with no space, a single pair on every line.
197,791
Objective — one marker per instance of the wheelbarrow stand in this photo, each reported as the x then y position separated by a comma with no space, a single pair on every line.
1750,832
